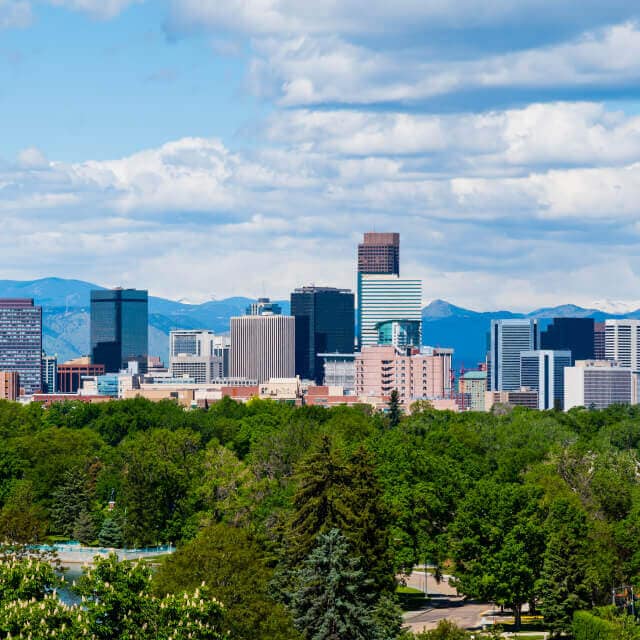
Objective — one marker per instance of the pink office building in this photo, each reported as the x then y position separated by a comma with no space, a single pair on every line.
421,376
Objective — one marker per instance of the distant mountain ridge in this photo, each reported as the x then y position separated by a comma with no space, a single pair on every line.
66,318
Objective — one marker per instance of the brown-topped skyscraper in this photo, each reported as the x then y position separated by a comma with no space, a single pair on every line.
379,253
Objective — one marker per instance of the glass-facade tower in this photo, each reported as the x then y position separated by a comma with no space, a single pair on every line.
324,324
21,341
119,328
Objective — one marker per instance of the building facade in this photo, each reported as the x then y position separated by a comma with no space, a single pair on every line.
576,335
543,370
192,354
325,319
263,306
9,385
598,384
420,376
71,373
508,339
400,333
119,328
384,298
339,370
263,347
49,373
379,253
598,341
21,342
473,386
622,342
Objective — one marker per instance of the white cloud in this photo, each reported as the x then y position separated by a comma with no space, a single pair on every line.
32,158
101,9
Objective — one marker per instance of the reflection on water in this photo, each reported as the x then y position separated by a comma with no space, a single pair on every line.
66,592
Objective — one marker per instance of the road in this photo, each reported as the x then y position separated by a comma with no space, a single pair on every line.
445,605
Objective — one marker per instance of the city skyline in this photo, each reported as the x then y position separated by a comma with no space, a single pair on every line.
269,135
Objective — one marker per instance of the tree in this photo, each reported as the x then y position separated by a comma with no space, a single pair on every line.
84,530
332,602
446,630
21,520
70,500
234,567
563,586
395,411
110,534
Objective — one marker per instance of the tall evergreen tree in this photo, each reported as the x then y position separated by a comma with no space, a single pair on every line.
110,534
332,602
395,411
70,499
84,529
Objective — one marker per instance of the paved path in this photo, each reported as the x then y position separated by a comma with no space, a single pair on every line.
76,554
445,604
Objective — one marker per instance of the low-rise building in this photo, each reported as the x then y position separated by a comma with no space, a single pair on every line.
598,384
9,385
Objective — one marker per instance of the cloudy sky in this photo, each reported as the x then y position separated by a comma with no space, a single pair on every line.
208,148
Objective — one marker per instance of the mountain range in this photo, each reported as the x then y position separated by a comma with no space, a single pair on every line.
66,318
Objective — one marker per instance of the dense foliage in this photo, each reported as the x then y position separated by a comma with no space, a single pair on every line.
525,507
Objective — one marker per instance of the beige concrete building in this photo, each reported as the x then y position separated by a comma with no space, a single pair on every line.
381,369
9,385
263,347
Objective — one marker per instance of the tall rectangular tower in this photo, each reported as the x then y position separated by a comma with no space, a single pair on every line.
21,341
570,334
622,342
263,347
543,370
119,328
379,253
325,318
192,354
509,338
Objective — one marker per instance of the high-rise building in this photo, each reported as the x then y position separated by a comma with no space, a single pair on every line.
21,341
622,342
384,298
71,373
9,385
508,339
191,354
119,328
264,306
339,370
379,253
222,349
325,319
263,347
598,384
419,376
400,333
49,373
543,370
570,334
598,341
473,386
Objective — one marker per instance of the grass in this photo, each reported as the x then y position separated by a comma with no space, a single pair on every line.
411,599
401,589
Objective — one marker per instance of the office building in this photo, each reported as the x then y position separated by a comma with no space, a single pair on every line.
49,373
598,341
119,328
402,334
379,253
523,397
71,373
192,354
325,319
9,385
385,298
264,306
21,342
263,347
419,376
543,370
508,339
222,349
598,384
570,334
339,370
622,342
473,386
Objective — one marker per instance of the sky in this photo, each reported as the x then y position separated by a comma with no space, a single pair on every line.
204,149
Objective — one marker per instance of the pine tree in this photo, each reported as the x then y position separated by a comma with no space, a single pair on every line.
84,529
110,534
70,499
332,602
395,411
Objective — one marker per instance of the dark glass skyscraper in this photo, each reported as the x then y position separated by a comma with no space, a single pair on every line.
21,341
324,324
119,328
570,334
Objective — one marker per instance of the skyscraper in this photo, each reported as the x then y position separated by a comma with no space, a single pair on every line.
192,354
384,298
262,307
598,384
508,339
379,253
543,370
119,328
49,373
400,333
570,334
21,341
622,342
263,347
325,319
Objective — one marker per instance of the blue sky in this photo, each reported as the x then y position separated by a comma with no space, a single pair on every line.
202,148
